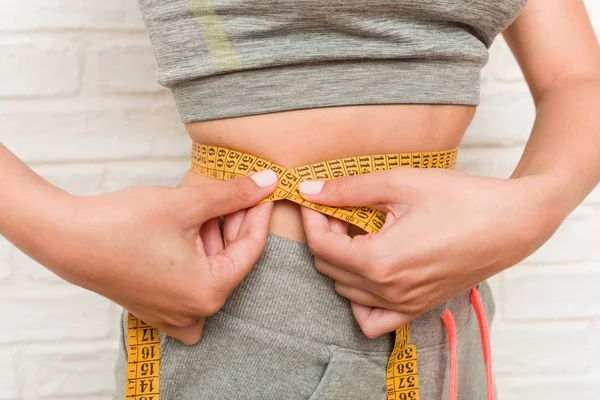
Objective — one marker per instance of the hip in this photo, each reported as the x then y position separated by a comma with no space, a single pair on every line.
286,334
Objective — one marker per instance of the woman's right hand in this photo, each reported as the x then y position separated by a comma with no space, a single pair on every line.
157,251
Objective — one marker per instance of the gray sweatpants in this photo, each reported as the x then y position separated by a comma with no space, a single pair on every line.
285,334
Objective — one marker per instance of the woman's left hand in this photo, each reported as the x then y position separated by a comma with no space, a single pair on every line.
444,233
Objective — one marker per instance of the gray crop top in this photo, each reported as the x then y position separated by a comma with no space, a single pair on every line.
228,58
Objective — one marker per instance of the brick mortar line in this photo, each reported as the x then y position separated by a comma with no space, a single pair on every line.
589,374
59,30
512,321
108,340
81,94
544,322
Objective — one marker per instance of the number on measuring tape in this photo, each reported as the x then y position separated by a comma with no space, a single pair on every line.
143,356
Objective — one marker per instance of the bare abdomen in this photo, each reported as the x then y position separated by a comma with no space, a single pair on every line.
299,137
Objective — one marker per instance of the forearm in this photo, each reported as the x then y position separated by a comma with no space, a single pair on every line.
32,211
564,147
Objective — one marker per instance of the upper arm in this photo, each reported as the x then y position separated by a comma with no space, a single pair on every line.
553,40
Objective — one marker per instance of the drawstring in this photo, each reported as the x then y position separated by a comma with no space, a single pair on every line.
448,320
485,341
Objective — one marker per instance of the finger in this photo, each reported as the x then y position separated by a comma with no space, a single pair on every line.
226,197
375,322
210,234
256,222
361,296
340,275
358,190
335,247
232,225
316,222
238,258
188,335
337,225
390,219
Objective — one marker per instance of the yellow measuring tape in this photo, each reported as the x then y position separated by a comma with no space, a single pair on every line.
143,360
222,163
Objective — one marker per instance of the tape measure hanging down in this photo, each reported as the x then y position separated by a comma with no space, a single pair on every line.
221,163
143,360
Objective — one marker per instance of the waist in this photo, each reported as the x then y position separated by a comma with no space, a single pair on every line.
285,293
301,137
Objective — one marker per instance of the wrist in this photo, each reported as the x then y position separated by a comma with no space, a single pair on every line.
34,214
38,220
548,202
559,187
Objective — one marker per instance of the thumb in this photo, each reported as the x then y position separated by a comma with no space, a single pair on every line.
232,265
358,190
188,335
226,197
375,322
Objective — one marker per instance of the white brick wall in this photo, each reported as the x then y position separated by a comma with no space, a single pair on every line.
29,68
77,84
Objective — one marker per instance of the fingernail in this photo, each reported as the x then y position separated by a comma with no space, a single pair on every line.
311,187
264,178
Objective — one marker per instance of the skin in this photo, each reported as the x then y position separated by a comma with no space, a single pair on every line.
300,137
463,229
124,248
165,241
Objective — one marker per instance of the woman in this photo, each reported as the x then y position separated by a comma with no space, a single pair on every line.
298,83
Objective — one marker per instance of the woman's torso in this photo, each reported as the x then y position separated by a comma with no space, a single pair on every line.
295,138
362,77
